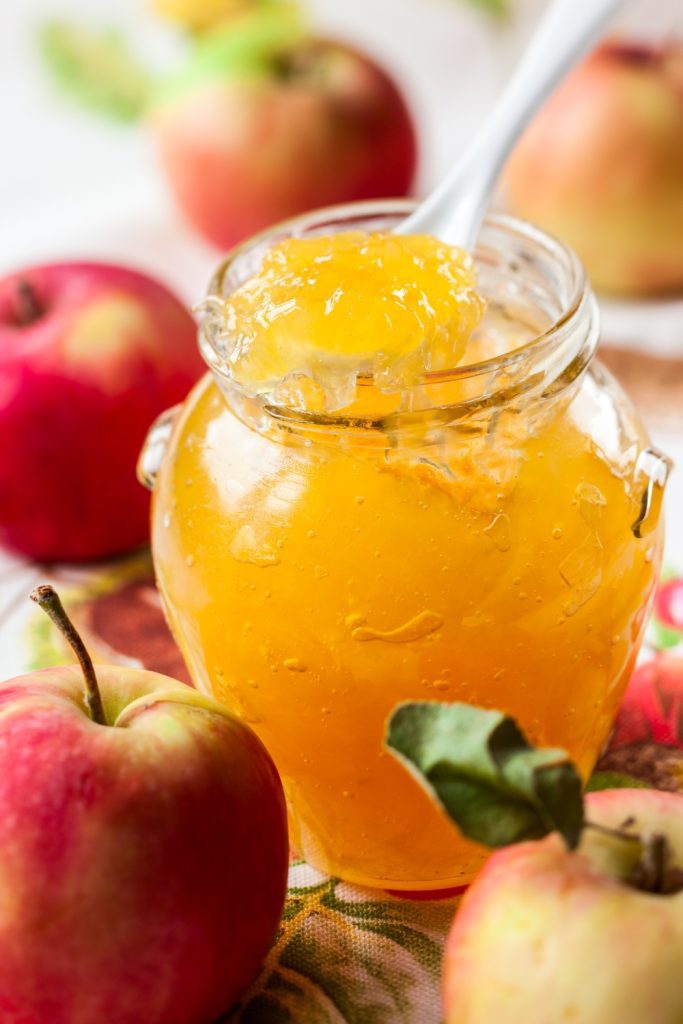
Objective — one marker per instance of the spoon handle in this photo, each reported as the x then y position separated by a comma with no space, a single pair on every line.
455,210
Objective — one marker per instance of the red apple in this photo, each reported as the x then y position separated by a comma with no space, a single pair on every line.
652,708
90,354
602,166
250,136
547,935
144,849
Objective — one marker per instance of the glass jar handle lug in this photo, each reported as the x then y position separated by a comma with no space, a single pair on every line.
154,447
652,472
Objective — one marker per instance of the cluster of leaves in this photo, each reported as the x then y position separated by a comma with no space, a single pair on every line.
98,70
95,68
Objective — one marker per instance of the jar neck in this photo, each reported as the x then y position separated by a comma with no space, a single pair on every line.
527,381
539,334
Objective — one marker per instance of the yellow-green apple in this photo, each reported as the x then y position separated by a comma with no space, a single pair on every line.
144,848
90,354
261,125
582,921
549,935
602,166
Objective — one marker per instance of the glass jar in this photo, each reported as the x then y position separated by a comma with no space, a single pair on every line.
493,536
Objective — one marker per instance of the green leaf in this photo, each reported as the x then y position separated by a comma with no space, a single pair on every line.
485,774
95,68
245,49
614,780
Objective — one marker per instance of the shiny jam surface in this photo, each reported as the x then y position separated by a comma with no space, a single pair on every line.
317,575
333,307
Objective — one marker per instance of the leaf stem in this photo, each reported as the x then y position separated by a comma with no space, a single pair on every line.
617,833
47,598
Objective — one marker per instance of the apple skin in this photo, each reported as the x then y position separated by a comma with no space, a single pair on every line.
546,935
79,387
652,708
601,167
244,152
144,865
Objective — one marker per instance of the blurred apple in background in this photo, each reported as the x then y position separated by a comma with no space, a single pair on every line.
144,848
265,122
90,354
602,166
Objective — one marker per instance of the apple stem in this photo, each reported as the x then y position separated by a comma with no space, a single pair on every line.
47,598
29,307
654,872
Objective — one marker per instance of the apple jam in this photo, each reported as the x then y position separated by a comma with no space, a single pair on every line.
324,310
330,540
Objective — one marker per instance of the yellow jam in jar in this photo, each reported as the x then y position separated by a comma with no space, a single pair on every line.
331,308
460,527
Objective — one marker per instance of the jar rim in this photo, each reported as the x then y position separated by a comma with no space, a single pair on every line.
578,300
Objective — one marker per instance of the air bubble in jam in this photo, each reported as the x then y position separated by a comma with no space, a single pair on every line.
354,620
294,665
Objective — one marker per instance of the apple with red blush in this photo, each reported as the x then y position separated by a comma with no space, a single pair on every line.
90,354
578,914
592,936
601,166
264,122
144,847
652,708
